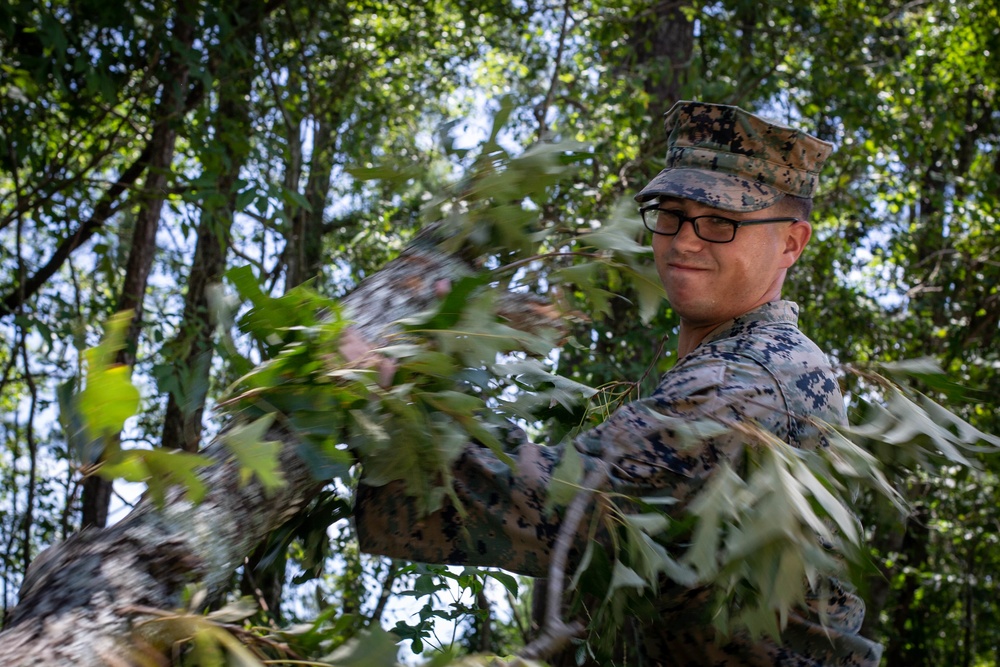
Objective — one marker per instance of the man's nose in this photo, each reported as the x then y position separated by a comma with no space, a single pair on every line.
685,237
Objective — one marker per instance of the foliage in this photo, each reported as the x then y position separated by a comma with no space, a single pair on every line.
757,536
355,111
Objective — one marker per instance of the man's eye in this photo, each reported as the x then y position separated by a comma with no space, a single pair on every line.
716,223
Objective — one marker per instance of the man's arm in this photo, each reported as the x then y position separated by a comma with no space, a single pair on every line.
502,522
650,446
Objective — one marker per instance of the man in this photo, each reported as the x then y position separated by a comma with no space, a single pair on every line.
728,216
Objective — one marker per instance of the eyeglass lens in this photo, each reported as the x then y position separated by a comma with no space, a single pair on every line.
706,227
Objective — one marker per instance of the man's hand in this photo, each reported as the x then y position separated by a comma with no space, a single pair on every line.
361,353
356,350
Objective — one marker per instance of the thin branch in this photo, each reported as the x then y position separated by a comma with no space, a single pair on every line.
45,188
258,594
556,632
542,110
522,627
383,598
246,258
507,268
105,208
29,510
486,629
102,212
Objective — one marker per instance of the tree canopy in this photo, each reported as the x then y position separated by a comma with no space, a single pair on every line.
222,172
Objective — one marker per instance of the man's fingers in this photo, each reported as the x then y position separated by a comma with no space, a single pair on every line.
352,346
386,371
442,288
356,350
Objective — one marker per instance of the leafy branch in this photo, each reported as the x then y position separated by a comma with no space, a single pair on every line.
464,369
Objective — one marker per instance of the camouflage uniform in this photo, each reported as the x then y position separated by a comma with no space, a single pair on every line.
756,369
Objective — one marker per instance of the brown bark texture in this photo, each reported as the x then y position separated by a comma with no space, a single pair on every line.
81,599
96,491
182,423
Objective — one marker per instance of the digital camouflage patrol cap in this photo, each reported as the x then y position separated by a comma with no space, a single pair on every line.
730,159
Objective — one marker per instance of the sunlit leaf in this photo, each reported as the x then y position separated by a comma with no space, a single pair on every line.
374,648
257,457
108,397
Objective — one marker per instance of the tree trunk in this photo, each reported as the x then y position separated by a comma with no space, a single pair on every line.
96,490
968,602
303,257
304,246
663,39
81,599
193,348
889,538
907,644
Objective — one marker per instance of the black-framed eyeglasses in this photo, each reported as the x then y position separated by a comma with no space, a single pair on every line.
711,228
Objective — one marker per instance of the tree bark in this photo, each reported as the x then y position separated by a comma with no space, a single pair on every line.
908,643
194,347
664,43
97,490
304,247
889,538
81,599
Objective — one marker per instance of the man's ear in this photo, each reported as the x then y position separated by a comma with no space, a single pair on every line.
796,237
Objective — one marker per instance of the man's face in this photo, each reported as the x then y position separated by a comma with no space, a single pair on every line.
710,283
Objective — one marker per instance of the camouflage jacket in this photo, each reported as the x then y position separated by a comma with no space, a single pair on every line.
757,368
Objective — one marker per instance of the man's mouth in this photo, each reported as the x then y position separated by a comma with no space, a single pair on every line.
686,267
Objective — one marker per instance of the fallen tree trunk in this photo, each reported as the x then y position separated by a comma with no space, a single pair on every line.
81,599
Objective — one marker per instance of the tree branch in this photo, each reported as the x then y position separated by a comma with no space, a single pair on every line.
79,598
105,208
542,110
556,632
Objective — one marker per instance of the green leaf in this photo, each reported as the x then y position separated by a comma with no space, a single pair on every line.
481,432
500,118
206,649
450,309
256,456
716,501
832,505
557,389
965,433
237,655
159,469
374,648
109,397
235,611
648,289
651,523
623,576
509,582
619,233
566,479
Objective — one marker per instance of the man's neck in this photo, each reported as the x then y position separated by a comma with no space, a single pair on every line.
690,336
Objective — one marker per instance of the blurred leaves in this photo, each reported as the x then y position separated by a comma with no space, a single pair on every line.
108,397
903,262
762,537
257,457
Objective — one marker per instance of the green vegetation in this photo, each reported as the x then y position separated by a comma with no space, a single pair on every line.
152,152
